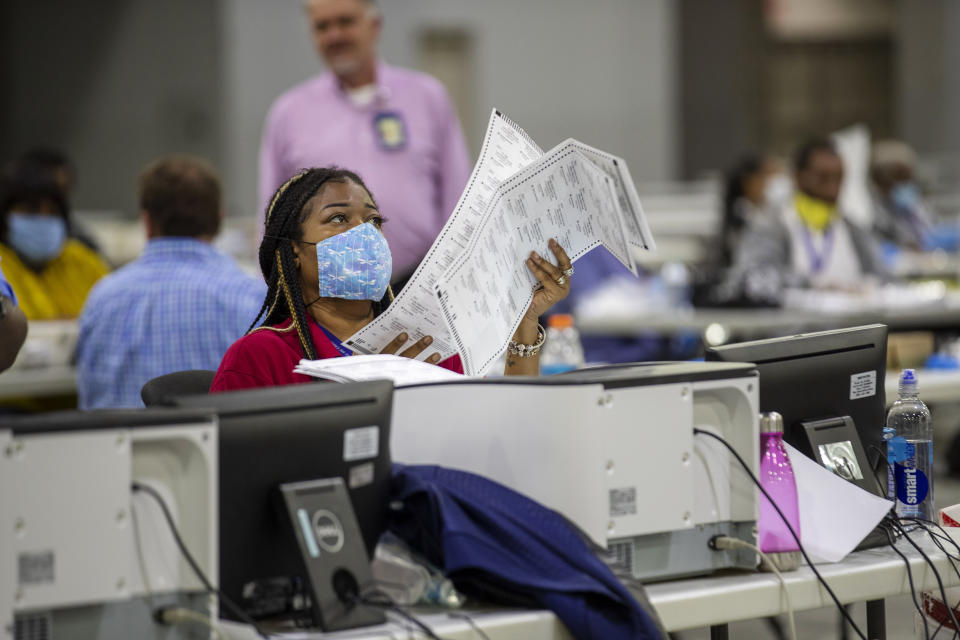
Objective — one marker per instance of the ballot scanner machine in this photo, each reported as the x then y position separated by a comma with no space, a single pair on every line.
610,448
82,555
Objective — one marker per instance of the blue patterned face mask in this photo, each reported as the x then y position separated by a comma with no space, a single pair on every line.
38,238
355,264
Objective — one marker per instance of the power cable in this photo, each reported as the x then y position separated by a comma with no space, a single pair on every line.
796,537
227,602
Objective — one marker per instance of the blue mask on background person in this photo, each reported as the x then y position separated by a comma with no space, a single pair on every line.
38,238
905,196
355,264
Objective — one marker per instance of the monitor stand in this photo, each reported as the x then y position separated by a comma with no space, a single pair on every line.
836,445
333,552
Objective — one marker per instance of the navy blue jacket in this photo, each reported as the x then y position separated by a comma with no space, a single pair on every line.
496,543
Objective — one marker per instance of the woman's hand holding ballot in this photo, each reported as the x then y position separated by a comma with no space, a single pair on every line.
523,354
524,350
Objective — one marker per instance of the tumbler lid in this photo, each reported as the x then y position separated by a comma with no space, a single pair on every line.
770,422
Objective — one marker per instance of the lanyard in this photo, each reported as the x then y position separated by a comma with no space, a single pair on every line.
917,224
818,260
344,351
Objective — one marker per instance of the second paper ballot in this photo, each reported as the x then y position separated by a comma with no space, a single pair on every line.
473,287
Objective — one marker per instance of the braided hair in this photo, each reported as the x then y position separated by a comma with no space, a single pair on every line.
284,217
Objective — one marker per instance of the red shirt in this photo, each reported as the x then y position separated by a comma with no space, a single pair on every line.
266,358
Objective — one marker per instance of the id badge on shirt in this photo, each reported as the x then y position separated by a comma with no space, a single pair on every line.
390,130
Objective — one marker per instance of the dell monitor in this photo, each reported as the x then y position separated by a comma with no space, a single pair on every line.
294,434
820,382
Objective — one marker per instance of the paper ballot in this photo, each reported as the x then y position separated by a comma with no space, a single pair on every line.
380,366
473,287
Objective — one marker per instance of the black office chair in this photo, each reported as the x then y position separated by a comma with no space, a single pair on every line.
159,390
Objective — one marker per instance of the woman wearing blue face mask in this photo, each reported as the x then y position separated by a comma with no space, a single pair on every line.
901,218
50,273
327,267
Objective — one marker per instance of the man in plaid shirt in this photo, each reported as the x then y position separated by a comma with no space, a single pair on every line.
179,306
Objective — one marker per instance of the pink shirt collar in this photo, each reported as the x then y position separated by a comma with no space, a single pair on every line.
382,80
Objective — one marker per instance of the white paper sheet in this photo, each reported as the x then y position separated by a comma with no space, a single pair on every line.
835,515
469,293
563,195
506,150
635,223
403,371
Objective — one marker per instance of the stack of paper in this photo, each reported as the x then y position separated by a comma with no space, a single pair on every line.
473,287
403,371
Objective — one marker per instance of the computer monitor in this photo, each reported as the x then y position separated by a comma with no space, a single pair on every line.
815,379
280,435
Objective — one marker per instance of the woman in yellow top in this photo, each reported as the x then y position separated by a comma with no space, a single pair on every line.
50,274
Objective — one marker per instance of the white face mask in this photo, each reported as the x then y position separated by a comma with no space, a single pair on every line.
777,190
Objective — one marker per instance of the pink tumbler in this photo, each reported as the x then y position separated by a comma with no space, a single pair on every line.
776,477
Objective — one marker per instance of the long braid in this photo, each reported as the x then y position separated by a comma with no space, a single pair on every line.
271,278
284,215
293,296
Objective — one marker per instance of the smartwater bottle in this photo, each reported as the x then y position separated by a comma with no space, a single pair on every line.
910,451
561,350
887,437
776,476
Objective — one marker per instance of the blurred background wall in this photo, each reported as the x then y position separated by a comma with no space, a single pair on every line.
677,88
114,83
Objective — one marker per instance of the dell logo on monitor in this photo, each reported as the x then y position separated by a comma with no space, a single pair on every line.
328,530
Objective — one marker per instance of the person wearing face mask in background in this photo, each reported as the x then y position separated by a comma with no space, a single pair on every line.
754,188
64,173
900,216
327,266
808,243
50,273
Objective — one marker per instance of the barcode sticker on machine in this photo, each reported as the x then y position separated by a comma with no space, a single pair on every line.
863,385
361,475
623,502
35,568
361,443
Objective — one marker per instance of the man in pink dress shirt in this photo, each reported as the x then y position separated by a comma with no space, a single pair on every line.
395,127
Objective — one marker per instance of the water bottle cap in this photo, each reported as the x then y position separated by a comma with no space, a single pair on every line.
560,321
908,382
771,422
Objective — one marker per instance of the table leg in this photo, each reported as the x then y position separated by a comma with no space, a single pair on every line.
719,632
844,628
876,620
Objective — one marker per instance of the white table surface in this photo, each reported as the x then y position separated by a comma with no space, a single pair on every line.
701,602
865,575
43,382
767,321
499,625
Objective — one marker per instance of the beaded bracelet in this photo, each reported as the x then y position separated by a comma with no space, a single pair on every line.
528,350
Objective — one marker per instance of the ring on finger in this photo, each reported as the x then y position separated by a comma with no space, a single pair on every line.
568,272
562,280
